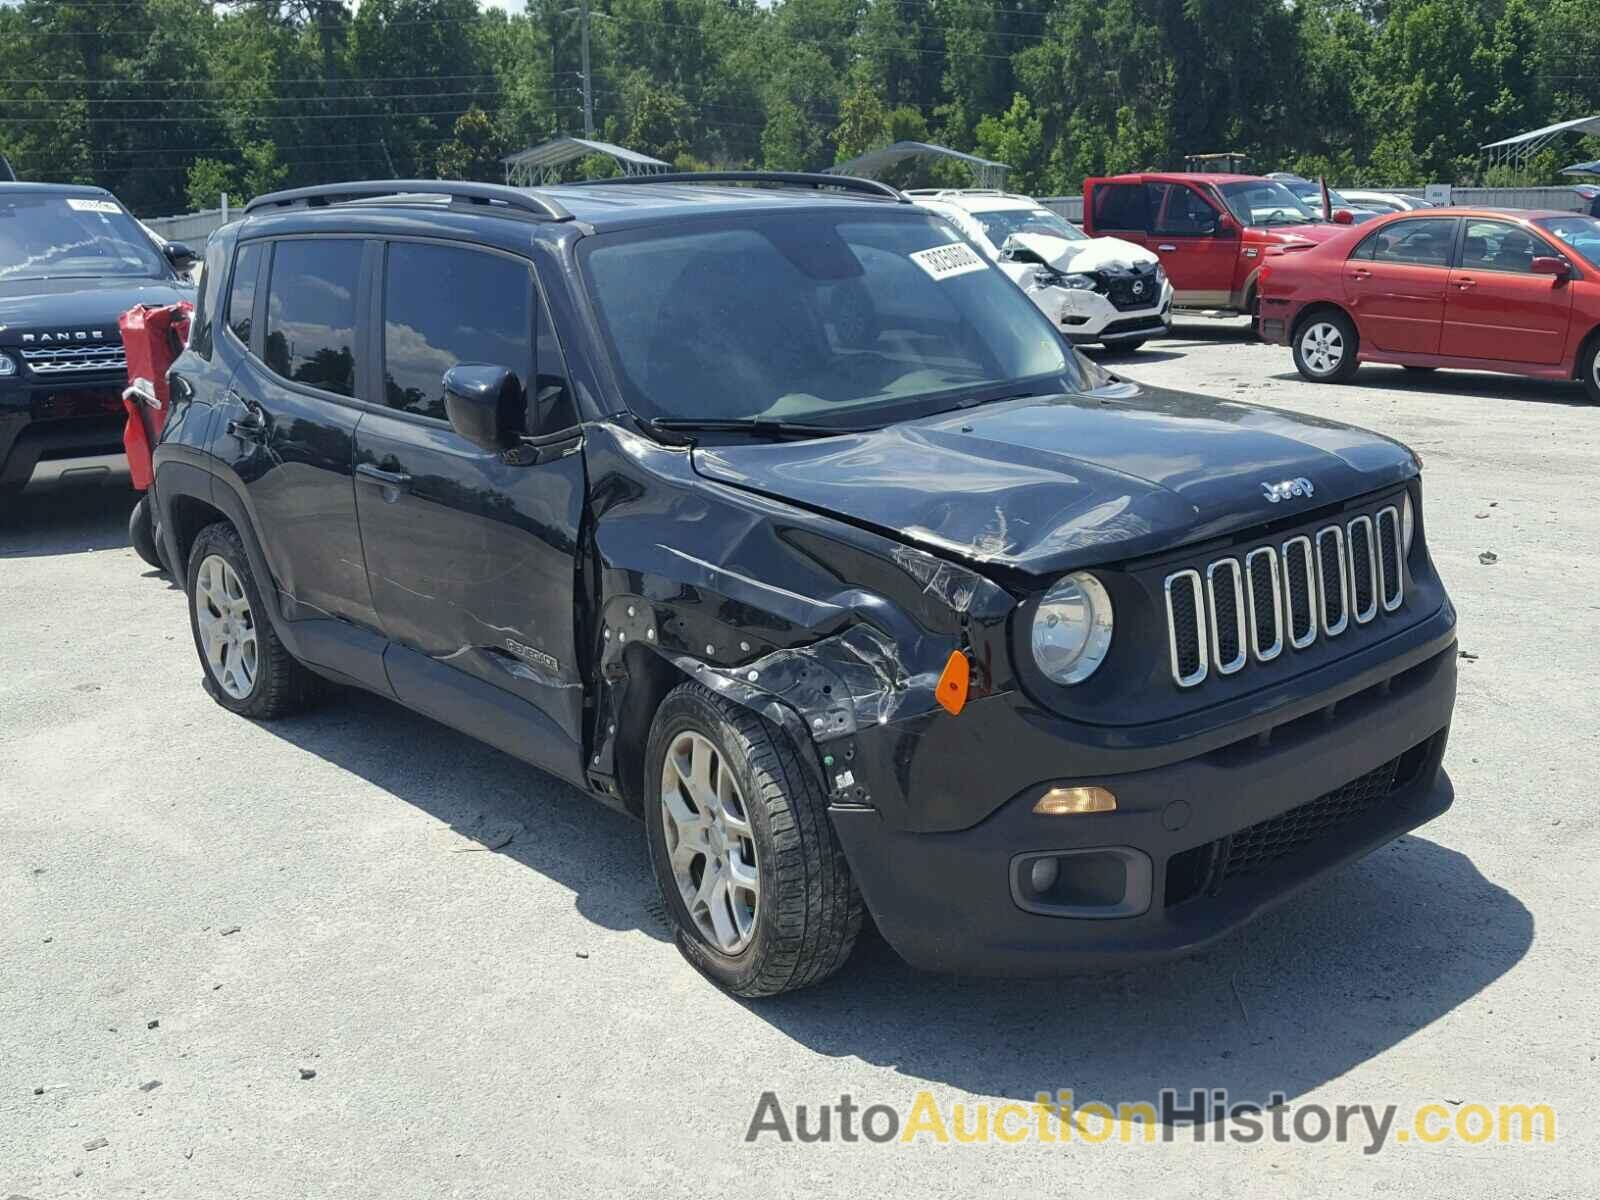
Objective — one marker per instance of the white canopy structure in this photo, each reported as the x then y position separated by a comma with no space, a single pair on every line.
540,166
986,172
1515,151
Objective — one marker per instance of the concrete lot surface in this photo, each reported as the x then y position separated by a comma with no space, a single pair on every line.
196,910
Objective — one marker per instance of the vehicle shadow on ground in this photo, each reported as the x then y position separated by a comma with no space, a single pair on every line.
485,796
1335,977
1470,385
65,520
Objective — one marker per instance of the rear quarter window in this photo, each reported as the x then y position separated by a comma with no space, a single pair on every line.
1121,206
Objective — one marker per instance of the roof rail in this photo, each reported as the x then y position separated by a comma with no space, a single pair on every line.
372,189
846,183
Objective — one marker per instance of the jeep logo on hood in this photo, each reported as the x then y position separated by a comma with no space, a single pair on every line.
65,335
1287,488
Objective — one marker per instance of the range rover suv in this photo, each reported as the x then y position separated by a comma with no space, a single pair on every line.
765,508
72,260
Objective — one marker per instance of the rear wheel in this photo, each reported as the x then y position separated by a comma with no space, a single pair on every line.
142,532
1589,370
247,669
1325,348
742,848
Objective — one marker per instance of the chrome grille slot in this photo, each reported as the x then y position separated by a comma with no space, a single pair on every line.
1225,611
1248,605
1391,585
1363,570
1333,584
1266,603
1300,606
1186,630
76,357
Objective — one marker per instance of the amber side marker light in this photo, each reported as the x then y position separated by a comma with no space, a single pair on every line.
952,690
1063,802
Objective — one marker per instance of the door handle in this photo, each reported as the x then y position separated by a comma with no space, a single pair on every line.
1360,274
1167,248
252,426
1464,284
394,481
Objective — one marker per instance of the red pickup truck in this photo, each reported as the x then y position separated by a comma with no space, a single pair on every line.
1212,232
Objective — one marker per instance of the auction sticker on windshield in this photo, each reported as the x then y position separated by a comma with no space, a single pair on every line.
946,262
78,204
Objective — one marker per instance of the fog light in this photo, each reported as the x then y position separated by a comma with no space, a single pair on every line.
1062,802
1043,874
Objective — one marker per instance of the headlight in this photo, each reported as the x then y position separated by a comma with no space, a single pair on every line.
1408,525
1078,283
1072,629
8,365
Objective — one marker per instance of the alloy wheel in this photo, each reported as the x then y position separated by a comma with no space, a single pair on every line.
227,627
1322,348
710,844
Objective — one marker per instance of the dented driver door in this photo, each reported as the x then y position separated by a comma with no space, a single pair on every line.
471,554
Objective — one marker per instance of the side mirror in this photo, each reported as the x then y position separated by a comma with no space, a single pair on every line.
180,255
1549,264
1227,227
484,404
1343,216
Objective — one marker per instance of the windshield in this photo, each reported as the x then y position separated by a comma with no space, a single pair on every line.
1265,202
45,236
1001,224
840,318
1581,233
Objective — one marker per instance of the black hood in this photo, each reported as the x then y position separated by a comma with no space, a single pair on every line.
69,305
1048,484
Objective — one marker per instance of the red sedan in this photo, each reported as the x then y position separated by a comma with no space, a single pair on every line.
1516,292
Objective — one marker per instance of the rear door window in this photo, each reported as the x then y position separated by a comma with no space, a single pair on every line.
1426,242
444,305
311,313
1121,206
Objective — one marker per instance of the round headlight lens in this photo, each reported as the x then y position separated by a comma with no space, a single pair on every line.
1408,525
8,365
1072,629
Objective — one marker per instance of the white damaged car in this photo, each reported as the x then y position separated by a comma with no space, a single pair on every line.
1101,289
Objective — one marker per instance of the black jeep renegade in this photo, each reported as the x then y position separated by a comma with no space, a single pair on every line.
764,507
72,260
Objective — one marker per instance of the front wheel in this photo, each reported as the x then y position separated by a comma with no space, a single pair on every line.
142,532
1589,370
745,857
1325,348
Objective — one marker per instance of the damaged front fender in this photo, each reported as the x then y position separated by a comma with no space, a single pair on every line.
823,628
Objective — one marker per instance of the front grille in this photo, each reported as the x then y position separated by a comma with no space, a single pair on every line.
82,357
1265,842
1204,869
1120,290
1308,587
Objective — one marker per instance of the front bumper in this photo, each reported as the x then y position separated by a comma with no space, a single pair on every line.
61,432
958,901
1088,317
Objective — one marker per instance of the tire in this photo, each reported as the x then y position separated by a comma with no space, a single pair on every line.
768,814
1325,346
142,533
252,673
1252,308
1589,370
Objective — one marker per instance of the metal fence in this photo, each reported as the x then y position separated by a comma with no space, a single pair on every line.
193,228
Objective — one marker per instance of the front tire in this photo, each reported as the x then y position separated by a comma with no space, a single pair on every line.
1325,348
747,862
142,533
247,669
1589,370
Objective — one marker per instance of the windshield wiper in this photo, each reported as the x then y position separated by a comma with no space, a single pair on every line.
758,426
